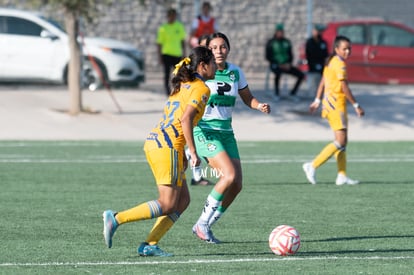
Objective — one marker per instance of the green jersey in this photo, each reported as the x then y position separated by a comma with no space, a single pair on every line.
224,89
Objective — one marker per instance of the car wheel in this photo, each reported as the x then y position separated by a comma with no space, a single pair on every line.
94,74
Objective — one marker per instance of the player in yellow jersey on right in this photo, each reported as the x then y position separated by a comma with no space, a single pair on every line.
333,92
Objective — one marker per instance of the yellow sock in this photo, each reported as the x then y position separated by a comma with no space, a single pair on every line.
144,211
324,155
341,161
161,226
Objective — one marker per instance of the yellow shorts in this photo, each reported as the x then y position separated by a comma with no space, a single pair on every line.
167,165
338,120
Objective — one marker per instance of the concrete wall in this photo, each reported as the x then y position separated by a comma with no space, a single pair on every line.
248,24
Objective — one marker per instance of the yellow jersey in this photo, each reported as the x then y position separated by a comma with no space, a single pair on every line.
168,133
334,98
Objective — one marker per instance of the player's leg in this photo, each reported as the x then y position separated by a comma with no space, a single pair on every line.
160,161
335,122
232,150
163,225
230,195
342,178
224,166
166,165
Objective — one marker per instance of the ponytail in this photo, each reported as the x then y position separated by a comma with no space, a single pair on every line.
186,69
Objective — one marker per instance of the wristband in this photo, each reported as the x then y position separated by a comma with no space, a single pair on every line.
317,101
259,106
356,105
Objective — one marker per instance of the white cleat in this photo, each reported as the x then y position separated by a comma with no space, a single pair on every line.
342,179
310,172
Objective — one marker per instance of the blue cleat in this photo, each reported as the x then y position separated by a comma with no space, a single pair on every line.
152,250
110,226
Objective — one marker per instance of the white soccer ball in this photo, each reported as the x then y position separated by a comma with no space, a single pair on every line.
284,240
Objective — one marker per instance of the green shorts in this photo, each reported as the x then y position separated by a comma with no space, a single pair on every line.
209,143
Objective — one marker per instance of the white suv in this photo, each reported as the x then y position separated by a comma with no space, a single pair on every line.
33,48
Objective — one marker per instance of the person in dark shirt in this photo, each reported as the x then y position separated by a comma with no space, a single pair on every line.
316,54
280,57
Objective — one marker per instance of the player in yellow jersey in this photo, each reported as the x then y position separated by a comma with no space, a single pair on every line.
335,91
164,149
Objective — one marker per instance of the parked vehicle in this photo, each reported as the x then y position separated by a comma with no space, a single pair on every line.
33,49
382,51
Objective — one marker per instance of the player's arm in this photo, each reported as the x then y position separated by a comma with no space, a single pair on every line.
345,88
252,102
319,93
187,126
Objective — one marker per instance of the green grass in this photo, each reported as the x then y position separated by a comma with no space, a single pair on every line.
53,194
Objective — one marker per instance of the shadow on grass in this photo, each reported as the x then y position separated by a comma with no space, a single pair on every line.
358,238
340,252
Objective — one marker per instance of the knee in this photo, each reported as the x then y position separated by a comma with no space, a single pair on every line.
229,178
340,144
168,207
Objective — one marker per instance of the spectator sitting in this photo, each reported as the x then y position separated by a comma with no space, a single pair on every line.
280,57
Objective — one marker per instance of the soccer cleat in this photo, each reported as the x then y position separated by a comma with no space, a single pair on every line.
213,239
310,172
342,179
203,232
152,250
110,226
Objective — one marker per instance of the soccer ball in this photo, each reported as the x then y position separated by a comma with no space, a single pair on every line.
284,240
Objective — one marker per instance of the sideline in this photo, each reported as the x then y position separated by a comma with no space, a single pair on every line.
205,261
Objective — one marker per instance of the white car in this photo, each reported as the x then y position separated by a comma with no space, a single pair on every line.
33,48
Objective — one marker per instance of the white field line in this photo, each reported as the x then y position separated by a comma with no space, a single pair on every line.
253,159
18,144
206,261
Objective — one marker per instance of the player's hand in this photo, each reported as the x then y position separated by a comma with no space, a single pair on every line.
195,160
313,107
264,108
360,112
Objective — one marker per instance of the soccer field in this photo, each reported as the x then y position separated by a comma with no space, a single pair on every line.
53,195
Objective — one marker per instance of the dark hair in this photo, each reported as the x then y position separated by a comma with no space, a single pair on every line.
171,11
207,4
202,37
186,71
337,41
218,35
